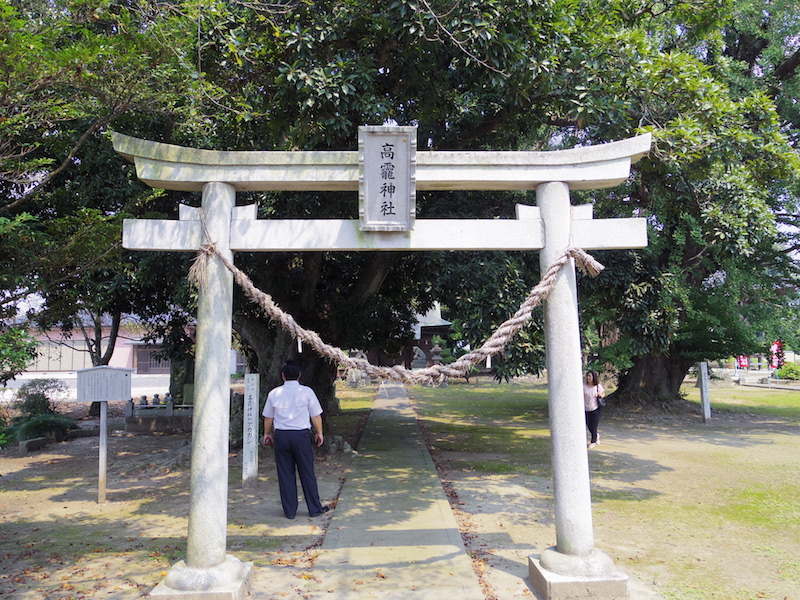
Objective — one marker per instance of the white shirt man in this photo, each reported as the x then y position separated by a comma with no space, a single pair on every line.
289,413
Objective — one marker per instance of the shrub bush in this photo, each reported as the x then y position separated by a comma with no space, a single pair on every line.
37,402
52,426
788,371
6,436
40,397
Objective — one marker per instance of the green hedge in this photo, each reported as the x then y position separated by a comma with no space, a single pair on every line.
788,371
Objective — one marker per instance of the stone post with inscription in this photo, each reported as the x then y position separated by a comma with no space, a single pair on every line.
250,431
705,395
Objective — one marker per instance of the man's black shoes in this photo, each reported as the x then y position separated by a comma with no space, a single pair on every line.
322,512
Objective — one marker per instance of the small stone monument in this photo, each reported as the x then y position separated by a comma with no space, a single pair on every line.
436,354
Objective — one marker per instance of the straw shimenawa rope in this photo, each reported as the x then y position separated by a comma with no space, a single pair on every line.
433,374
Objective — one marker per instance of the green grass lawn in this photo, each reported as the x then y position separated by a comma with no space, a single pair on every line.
485,417
358,399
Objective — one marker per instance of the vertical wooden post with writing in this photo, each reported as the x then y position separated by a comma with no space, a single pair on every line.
250,449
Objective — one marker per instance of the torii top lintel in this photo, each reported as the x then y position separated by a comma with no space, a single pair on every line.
179,168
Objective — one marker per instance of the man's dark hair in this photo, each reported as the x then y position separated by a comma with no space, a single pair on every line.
291,370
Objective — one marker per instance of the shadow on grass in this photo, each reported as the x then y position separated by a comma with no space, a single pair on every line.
733,430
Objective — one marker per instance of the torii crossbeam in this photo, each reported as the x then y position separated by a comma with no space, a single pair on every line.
551,227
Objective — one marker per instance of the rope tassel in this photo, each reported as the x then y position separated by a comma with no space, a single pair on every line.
197,272
586,262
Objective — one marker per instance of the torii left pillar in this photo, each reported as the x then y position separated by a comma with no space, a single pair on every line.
208,567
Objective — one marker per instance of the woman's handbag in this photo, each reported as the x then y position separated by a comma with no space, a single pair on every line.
600,400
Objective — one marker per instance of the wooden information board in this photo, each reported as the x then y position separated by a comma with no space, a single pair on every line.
101,384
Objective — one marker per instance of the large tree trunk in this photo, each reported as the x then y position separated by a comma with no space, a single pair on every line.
311,303
652,379
320,374
273,347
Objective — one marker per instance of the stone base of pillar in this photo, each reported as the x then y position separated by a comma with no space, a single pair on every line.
234,590
554,586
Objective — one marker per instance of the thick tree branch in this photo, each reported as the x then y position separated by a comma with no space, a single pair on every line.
116,319
459,44
53,283
374,274
788,68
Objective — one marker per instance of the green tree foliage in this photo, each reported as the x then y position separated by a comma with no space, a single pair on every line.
67,71
17,347
307,77
17,351
715,83
722,174
482,290
16,279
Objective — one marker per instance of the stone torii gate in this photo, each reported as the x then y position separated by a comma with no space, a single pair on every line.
551,227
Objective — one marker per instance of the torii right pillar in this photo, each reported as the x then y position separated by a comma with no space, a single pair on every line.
574,568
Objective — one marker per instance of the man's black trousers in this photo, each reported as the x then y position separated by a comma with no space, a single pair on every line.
294,451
